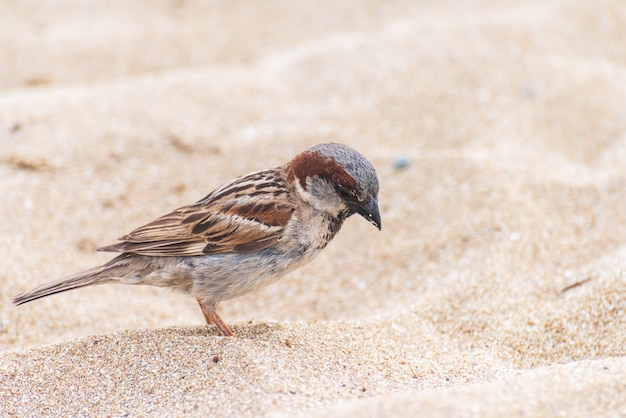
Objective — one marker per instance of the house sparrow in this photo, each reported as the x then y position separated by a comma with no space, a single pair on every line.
244,235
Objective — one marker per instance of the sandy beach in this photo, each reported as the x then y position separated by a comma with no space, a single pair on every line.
497,286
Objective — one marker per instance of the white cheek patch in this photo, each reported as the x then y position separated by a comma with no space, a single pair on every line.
306,196
332,204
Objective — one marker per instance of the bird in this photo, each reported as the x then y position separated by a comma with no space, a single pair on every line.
244,235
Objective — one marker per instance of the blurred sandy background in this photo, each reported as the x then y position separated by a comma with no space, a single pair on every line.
498,128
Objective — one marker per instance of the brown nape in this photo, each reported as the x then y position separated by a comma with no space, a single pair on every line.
212,318
309,164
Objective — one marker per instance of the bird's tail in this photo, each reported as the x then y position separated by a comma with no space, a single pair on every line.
96,275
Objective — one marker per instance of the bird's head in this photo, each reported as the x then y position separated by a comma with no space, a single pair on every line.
336,179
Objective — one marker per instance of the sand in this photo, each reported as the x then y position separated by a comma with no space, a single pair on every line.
498,128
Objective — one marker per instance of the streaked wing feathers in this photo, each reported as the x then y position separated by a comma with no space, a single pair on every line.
245,215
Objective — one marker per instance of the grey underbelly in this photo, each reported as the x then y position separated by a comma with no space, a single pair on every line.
213,278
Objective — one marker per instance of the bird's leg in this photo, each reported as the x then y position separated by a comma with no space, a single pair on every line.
212,318
226,331
207,318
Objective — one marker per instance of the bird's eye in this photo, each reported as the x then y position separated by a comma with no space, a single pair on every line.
347,194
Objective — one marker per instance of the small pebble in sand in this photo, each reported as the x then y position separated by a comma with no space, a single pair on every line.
401,163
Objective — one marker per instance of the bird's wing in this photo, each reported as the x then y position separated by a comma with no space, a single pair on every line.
245,215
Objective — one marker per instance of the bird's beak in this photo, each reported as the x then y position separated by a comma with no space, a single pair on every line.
369,210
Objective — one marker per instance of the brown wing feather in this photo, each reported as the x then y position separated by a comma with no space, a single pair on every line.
245,215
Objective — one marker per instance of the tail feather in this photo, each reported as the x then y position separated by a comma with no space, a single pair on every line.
85,278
